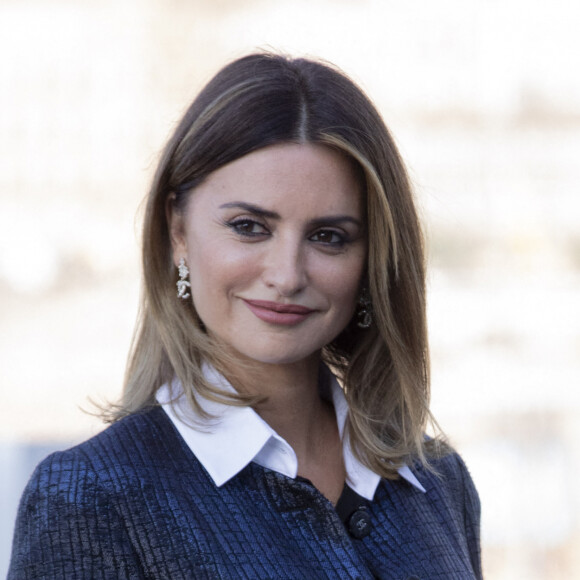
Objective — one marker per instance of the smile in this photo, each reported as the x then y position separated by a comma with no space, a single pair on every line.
275,313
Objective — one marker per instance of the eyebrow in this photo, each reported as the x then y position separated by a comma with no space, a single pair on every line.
322,221
250,207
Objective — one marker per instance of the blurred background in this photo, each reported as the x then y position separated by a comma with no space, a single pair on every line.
483,98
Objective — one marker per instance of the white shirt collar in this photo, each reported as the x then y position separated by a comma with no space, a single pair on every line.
238,436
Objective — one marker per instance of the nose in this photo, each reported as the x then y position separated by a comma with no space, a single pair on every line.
284,267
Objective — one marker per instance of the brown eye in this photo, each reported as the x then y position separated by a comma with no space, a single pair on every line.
247,227
329,237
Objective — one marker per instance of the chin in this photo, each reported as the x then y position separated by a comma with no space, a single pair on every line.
282,355
276,349
279,358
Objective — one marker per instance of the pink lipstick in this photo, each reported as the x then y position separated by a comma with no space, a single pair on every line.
276,313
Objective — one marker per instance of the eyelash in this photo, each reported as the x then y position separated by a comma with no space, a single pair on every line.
237,224
342,238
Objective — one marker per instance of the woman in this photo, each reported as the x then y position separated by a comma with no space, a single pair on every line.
276,399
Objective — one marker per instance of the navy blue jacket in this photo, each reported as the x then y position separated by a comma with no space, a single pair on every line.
134,502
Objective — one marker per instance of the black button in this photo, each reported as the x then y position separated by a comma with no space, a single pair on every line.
359,523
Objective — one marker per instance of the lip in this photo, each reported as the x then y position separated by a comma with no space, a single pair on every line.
276,313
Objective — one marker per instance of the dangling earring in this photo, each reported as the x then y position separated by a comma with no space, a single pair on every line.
183,283
365,311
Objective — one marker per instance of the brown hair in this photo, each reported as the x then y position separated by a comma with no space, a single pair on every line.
258,101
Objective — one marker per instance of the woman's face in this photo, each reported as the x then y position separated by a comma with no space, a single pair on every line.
276,247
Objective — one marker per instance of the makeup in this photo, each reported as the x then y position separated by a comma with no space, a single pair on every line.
276,313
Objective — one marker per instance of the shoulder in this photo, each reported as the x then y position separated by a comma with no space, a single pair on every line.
446,484
446,479
83,494
451,474
131,445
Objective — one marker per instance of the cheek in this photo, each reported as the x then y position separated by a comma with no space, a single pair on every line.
217,269
349,298
343,283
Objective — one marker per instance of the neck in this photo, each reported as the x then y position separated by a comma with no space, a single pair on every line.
292,406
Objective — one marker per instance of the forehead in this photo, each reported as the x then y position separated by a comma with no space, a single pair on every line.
306,177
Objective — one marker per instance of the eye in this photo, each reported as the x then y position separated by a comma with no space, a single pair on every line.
329,237
247,227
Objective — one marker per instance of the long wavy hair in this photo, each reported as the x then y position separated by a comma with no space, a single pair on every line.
255,102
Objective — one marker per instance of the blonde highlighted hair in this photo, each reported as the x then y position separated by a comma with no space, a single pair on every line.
254,102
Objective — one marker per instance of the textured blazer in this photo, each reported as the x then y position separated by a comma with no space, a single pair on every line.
134,503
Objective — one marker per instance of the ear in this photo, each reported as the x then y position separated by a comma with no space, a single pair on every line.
176,225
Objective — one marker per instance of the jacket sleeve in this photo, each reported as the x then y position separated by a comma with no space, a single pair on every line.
67,527
472,518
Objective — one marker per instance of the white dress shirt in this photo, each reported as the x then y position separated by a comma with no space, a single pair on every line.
238,435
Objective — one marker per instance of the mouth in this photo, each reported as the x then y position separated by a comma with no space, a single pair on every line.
276,313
